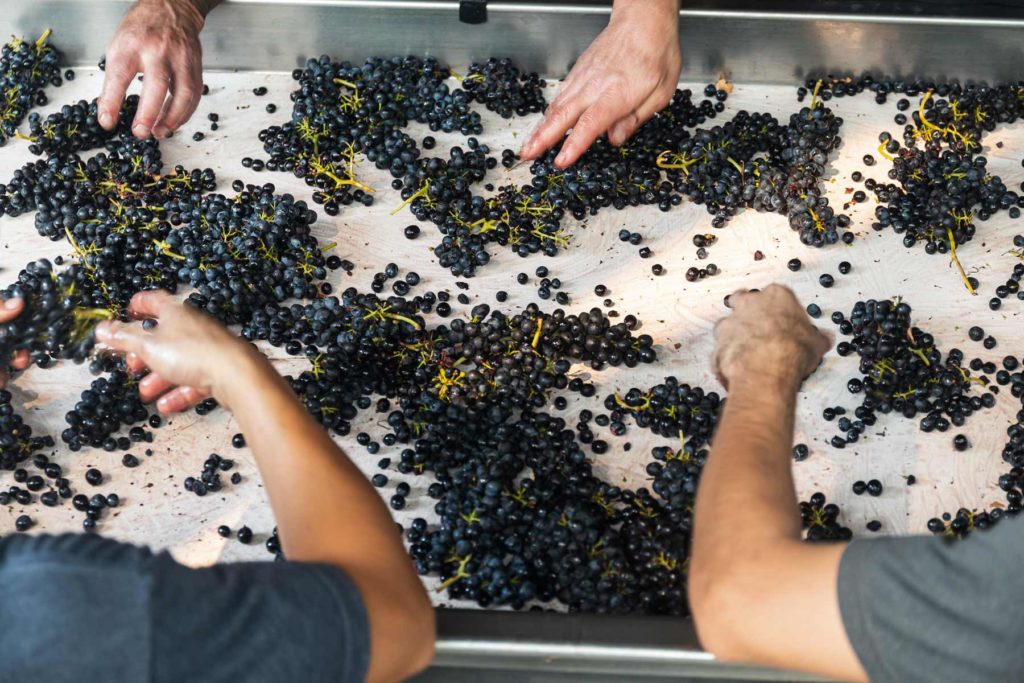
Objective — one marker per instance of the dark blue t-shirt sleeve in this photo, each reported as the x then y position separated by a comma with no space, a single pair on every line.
257,622
930,609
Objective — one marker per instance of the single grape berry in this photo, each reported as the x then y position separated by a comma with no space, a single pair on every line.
800,452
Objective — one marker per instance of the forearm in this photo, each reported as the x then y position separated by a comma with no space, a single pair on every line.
746,497
326,510
757,591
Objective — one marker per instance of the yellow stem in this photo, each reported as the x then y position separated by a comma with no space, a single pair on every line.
881,150
814,95
956,262
422,192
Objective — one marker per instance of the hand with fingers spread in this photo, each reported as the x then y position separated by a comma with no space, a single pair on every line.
627,75
768,338
189,354
9,310
159,39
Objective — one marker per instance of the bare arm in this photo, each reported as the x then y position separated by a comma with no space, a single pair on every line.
626,76
758,593
159,39
326,511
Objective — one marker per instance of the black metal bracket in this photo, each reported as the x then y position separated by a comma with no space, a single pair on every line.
472,11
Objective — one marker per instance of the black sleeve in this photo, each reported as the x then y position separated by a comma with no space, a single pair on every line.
257,622
930,609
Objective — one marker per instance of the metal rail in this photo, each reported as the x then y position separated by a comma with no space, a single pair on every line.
499,646
760,43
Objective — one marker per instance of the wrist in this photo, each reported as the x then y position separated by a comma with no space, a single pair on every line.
237,372
660,10
775,382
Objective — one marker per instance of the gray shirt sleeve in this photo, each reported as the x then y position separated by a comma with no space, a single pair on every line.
260,622
931,609
115,612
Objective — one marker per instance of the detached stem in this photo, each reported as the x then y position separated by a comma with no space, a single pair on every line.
956,262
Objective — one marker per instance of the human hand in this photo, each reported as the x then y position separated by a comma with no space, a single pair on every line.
190,355
627,75
9,310
768,337
160,39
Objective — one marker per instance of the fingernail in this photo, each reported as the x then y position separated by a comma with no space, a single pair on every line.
161,132
11,304
140,131
561,158
106,120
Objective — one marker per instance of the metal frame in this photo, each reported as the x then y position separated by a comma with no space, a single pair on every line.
759,42
497,646
763,41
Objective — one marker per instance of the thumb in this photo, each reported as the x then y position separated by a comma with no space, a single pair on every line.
10,309
122,337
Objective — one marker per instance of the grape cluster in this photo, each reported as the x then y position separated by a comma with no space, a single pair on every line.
753,161
942,185
75,128
244,252
940,193
209,481
55,321
110,402
133,229
25,69
675,411
821,520
902,371
499,85
17,443
341,110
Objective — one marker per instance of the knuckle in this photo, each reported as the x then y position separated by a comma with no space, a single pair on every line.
588,121
611,89
558,114
118,69
186,93
664,96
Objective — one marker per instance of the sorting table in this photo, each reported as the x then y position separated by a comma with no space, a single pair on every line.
156,510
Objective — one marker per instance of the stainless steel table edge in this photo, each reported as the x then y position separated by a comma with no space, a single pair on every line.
622,647
747,45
